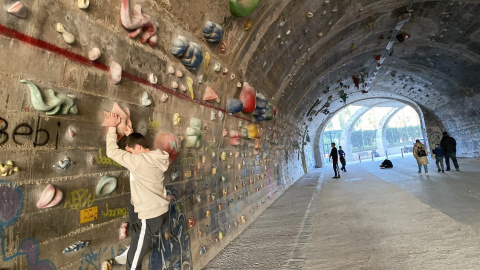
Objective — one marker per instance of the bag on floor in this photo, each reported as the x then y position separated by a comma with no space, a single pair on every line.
386,164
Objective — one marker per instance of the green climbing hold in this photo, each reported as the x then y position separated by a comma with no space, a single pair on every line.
243,8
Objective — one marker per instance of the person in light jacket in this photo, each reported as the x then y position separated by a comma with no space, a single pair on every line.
421,155
149,206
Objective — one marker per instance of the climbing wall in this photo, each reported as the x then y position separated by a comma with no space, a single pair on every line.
167,68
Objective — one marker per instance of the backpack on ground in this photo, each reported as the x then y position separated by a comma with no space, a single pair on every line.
386,164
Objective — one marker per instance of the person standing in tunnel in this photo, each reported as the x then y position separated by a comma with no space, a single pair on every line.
149,201
341,154
421,155
449,146
334,158
439,155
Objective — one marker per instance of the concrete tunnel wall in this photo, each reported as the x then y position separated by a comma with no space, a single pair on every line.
221,196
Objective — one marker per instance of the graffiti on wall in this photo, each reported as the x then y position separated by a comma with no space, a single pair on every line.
79,199
92,258
11,205
171,247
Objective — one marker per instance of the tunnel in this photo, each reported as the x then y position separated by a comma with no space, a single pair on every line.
236,95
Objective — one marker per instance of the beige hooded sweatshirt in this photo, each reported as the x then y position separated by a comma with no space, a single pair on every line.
149,196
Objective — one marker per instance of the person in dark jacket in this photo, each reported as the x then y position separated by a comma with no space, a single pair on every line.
439,155
334,157
341,153
449,146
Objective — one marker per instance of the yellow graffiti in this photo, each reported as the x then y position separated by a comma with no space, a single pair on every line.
78,199
188,161
88,214
115,212
153,124
100,159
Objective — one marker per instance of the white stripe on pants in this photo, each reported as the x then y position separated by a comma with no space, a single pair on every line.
140,244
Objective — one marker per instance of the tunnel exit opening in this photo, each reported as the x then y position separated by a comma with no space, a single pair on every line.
372,132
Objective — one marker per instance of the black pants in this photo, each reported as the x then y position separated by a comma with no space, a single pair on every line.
141,231
453,156
342,160
335,169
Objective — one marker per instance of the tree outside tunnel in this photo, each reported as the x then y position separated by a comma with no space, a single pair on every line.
399,128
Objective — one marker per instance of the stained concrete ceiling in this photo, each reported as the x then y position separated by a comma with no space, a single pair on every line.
297,60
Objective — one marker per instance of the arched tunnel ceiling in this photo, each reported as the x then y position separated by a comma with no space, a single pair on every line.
436,67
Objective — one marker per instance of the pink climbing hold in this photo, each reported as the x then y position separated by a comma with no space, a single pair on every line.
18,9
137,23
235,137
209,94
115,72
248,96
51,196
169,143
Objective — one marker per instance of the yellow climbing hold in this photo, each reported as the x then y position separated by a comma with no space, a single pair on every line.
248,24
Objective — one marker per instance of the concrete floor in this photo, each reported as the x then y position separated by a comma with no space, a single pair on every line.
368,219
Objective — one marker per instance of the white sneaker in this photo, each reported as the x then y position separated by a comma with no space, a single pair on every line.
122,258
426,174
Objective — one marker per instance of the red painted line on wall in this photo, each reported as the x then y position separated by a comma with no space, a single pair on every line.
14,34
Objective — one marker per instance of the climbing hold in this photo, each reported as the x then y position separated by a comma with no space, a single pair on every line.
189,53
234,105
71,132
8,168
179,74
110,182
248,24
83,4
171,70
174,85
209,94
252,131
94,54
50,197
194,134
248,98
145,100
115,72
213,116
182,88
309,15
67,37
107,265
152,78
244,133
189,82
213,32
169,143
18,9
124,115
223,47
217,66
164,98
220,115
122,231
63,164
176,119
232,77
224,133
203,250
191,222
242,8
76,247
175,174
138,22
200,79
235,137
62,104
